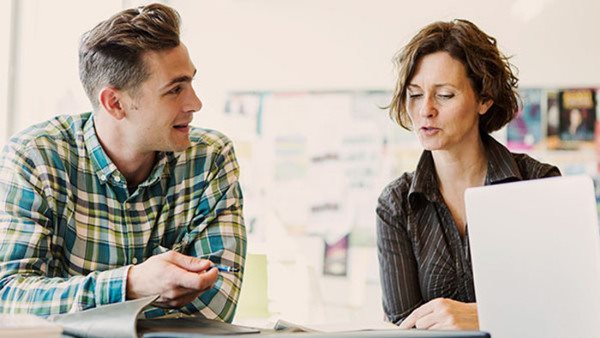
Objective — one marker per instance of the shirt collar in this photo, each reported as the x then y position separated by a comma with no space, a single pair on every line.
502,167
424,182
104,166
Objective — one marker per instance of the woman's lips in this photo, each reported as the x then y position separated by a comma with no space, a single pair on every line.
429,131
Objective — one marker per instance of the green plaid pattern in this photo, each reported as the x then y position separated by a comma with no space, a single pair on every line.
70,228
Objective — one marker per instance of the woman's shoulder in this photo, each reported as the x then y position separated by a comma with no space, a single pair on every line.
531,168
396,192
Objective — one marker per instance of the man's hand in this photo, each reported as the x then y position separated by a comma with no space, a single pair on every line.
177,278
443,314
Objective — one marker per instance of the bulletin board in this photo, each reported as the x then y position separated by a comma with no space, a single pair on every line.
314,163
317,161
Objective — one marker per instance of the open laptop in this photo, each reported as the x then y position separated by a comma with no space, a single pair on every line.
535,250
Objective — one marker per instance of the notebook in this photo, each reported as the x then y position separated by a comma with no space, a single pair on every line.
535,250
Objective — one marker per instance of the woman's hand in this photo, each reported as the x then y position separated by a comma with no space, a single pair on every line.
443,314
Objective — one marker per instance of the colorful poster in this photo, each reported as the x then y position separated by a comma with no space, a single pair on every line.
577,114
552,113
525,130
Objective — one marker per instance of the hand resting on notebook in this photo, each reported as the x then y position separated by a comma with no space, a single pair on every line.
177,278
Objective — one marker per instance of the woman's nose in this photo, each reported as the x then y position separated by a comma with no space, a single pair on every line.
428,108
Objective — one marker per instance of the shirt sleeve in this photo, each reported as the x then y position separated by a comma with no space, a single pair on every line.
219,234
552,171
28,255
401,293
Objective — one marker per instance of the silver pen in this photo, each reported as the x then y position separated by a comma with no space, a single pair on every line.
225,268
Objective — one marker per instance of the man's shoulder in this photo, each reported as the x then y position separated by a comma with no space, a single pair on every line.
208,140
210,150
59,131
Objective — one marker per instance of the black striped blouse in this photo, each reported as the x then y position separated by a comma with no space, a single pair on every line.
422,256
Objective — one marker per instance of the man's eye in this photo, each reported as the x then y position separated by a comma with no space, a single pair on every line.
175,90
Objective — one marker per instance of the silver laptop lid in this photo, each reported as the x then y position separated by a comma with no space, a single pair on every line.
535,250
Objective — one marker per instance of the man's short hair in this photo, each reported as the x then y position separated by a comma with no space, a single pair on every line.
111,54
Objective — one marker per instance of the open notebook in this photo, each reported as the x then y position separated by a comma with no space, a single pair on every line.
120,320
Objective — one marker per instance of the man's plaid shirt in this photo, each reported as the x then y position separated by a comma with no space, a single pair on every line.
70,228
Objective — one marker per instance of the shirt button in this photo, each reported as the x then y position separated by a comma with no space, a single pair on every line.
117,179
134,260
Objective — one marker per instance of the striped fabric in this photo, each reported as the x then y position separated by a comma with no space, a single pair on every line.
70,228
422,256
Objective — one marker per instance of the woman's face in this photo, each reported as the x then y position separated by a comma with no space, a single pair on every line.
442,104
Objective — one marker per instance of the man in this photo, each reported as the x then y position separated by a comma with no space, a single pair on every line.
127,201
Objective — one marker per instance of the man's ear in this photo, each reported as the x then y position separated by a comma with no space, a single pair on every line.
485,105
111,100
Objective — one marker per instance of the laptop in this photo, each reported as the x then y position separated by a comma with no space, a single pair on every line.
535,249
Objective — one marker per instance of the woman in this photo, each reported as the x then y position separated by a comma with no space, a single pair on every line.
454,88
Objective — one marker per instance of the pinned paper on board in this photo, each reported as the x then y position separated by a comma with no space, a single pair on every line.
335,262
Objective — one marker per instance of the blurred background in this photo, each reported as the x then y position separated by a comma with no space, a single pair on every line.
300,86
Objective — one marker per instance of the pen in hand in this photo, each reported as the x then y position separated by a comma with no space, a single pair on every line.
225,268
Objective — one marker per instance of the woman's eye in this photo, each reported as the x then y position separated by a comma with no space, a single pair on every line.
414,95
446,96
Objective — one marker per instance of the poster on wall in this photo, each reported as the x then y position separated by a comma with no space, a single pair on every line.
524,132
577,109
552,119
335,261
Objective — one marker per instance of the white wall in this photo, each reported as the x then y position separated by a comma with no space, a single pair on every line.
47,80
349,44
5,22
299,45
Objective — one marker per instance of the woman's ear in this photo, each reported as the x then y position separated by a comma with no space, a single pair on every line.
485,105
111,101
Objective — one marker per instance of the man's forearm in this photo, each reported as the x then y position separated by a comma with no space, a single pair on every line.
46,296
